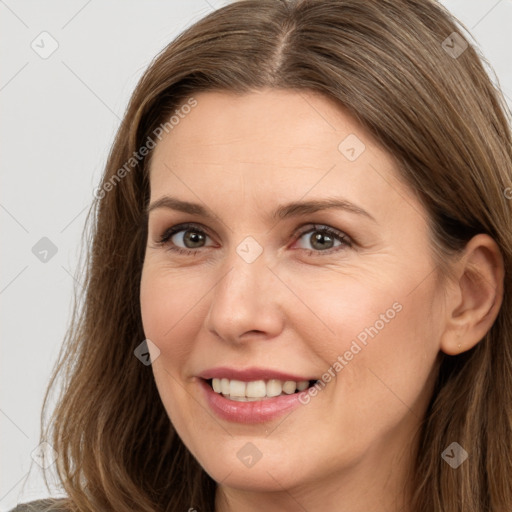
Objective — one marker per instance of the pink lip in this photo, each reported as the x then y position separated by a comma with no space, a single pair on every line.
249,374
249,412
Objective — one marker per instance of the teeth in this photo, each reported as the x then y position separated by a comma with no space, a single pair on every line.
224,386
217,386
237,388
257,389
274,387
289,387
302,385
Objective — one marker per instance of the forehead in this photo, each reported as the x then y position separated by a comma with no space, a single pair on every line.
223,122
269,144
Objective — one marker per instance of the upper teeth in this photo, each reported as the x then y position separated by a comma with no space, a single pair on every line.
239,390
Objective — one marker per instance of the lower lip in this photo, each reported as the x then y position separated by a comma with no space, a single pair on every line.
249,412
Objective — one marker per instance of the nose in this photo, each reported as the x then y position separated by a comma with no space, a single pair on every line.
247,303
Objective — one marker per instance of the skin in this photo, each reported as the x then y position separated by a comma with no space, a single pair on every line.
352,446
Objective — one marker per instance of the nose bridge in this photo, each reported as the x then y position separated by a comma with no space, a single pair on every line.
247,267
244,299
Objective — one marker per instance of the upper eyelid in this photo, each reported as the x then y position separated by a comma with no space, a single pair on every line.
177,228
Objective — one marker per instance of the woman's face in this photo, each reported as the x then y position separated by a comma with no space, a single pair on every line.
262,295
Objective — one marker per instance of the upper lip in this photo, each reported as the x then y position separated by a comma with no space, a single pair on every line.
250,374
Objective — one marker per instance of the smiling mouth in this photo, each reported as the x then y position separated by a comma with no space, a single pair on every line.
257,390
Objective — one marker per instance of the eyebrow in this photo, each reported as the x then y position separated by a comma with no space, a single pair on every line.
285,211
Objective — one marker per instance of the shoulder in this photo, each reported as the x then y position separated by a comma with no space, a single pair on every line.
46,505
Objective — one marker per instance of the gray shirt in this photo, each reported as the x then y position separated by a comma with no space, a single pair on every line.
47,505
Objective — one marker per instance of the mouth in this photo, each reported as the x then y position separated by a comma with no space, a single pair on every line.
254,394
257,390
234,401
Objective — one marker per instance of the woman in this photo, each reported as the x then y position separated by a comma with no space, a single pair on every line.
305,227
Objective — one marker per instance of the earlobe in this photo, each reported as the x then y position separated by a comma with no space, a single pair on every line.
475,302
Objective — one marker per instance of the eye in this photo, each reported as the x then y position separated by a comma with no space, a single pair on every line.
190,235
323,239
188,238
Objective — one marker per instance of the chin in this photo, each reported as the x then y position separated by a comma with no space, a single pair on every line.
262,477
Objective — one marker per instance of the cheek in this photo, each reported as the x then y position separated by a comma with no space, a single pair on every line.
167,308
387,335
334,312
166,311
392,372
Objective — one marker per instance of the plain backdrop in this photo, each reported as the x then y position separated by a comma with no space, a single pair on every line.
67,71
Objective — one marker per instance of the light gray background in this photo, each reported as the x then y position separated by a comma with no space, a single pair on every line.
58,119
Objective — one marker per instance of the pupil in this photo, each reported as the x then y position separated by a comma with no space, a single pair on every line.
193,237
320,237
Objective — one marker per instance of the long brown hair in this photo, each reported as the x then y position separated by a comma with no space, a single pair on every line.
391,64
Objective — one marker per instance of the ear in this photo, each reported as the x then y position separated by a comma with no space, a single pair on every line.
475,299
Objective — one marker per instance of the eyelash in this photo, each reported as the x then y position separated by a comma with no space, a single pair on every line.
326,230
